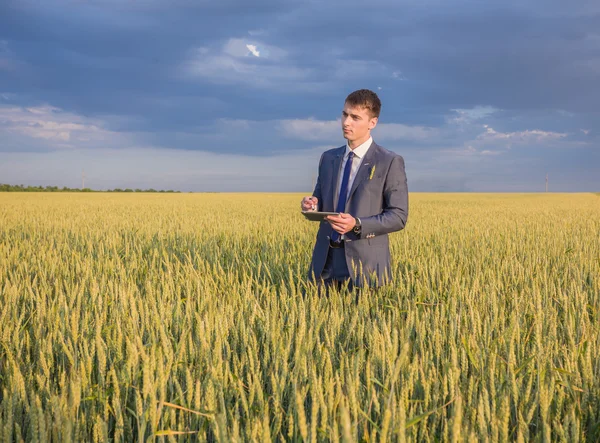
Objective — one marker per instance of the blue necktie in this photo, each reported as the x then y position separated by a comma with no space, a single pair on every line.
341,204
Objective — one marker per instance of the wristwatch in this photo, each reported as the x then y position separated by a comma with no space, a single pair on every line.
358,227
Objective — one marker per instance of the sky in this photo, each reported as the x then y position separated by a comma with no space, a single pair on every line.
229,95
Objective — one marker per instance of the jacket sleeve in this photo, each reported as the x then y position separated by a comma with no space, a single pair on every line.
317,191
395,201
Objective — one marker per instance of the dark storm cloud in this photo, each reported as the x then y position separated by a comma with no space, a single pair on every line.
484,85
460,54
113,55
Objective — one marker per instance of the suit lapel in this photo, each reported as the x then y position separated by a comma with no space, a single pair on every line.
335,168
364,170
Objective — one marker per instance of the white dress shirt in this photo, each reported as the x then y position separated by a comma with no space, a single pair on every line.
359,154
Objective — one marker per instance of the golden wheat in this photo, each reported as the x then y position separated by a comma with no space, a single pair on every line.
136,317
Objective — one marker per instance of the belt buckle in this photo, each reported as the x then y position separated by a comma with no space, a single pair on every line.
336,245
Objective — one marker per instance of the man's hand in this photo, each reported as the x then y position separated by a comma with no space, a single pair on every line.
309,204
343,223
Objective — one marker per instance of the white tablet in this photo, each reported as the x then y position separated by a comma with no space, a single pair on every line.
317,216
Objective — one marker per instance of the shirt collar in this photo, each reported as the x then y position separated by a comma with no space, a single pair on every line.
360,150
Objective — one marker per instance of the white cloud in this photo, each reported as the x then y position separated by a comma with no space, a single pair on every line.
187,170
311,129
468,116
398,75
534,136
127,159
494,143
228,70
252,64
8,96
235,47
464,151
240,48
57,129
252,48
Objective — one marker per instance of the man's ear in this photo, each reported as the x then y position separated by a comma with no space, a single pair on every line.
373,123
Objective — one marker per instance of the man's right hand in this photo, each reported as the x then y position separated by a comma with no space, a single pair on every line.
310,204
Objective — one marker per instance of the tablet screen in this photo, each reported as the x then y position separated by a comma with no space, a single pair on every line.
317,216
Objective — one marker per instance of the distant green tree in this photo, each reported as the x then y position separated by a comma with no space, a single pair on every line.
4,187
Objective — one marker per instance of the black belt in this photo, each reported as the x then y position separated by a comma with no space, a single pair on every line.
336,245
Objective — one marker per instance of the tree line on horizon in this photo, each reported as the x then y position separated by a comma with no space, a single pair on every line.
21,188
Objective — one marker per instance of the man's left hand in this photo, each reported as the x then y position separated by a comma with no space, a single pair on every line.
342,223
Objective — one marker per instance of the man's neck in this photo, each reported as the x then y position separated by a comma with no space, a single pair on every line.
356,143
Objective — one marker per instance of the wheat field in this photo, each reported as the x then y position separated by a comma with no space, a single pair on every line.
187,317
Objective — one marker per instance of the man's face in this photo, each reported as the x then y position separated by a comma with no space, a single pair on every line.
357,123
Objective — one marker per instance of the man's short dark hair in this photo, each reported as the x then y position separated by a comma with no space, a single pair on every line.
365,98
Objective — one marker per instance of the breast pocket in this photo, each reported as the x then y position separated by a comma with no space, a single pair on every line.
373,185
370,196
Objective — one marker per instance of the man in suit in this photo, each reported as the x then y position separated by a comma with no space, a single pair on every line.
367,185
